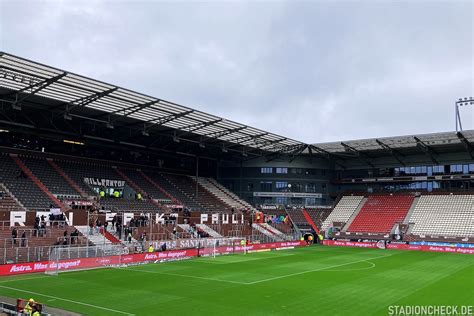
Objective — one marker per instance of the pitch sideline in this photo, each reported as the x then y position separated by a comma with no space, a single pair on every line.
67,300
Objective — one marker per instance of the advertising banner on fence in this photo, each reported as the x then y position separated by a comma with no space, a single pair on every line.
89,263
362,244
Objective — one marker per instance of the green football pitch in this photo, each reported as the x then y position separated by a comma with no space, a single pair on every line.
313,280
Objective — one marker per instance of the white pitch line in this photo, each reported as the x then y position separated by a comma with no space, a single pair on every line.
372,265
67,300
208,260
184,276
23,279
314,270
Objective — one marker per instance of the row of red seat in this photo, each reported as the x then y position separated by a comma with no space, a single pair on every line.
380,213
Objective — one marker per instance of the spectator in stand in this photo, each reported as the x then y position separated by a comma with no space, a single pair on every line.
14,235
28,307
118,228
106,224
35,310
125,232
142,240
129,236
98,224
114,220
72,236
23,239
42,230
91,228
65,239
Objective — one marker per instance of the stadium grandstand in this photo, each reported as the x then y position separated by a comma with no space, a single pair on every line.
86,166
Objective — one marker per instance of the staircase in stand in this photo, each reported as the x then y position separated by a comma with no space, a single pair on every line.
310,221
111,237
275,231
135,186
172,198
266,232
188,229
211,232
67,178
96,239
9,202
231,194
38,183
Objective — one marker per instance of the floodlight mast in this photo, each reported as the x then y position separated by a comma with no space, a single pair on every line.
457,116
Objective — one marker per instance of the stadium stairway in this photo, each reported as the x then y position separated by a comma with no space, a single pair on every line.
344,209
111,237
211,232
260,228
135,186
38,183
310,221
221,194
353,216
67,178
187,185
96,239
411,210
187,229
275,231
231,194
159,187
9,202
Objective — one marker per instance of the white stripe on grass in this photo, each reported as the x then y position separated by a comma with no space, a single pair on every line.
314,270
17,279
67,300
260,281
228,259
184,276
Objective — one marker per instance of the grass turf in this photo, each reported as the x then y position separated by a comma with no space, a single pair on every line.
312,280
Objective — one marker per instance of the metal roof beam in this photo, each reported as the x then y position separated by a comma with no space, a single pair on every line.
225,132
35,88
426,149
395,153
265,144
366,158
165,119
243,139
82,102
467,145
154,120
328,156
297,152
290,149
134,108
194,127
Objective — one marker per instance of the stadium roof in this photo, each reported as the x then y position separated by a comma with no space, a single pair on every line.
398,142
77,92
85,98
399,147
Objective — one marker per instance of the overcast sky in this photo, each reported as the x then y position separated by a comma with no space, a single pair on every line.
314,71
